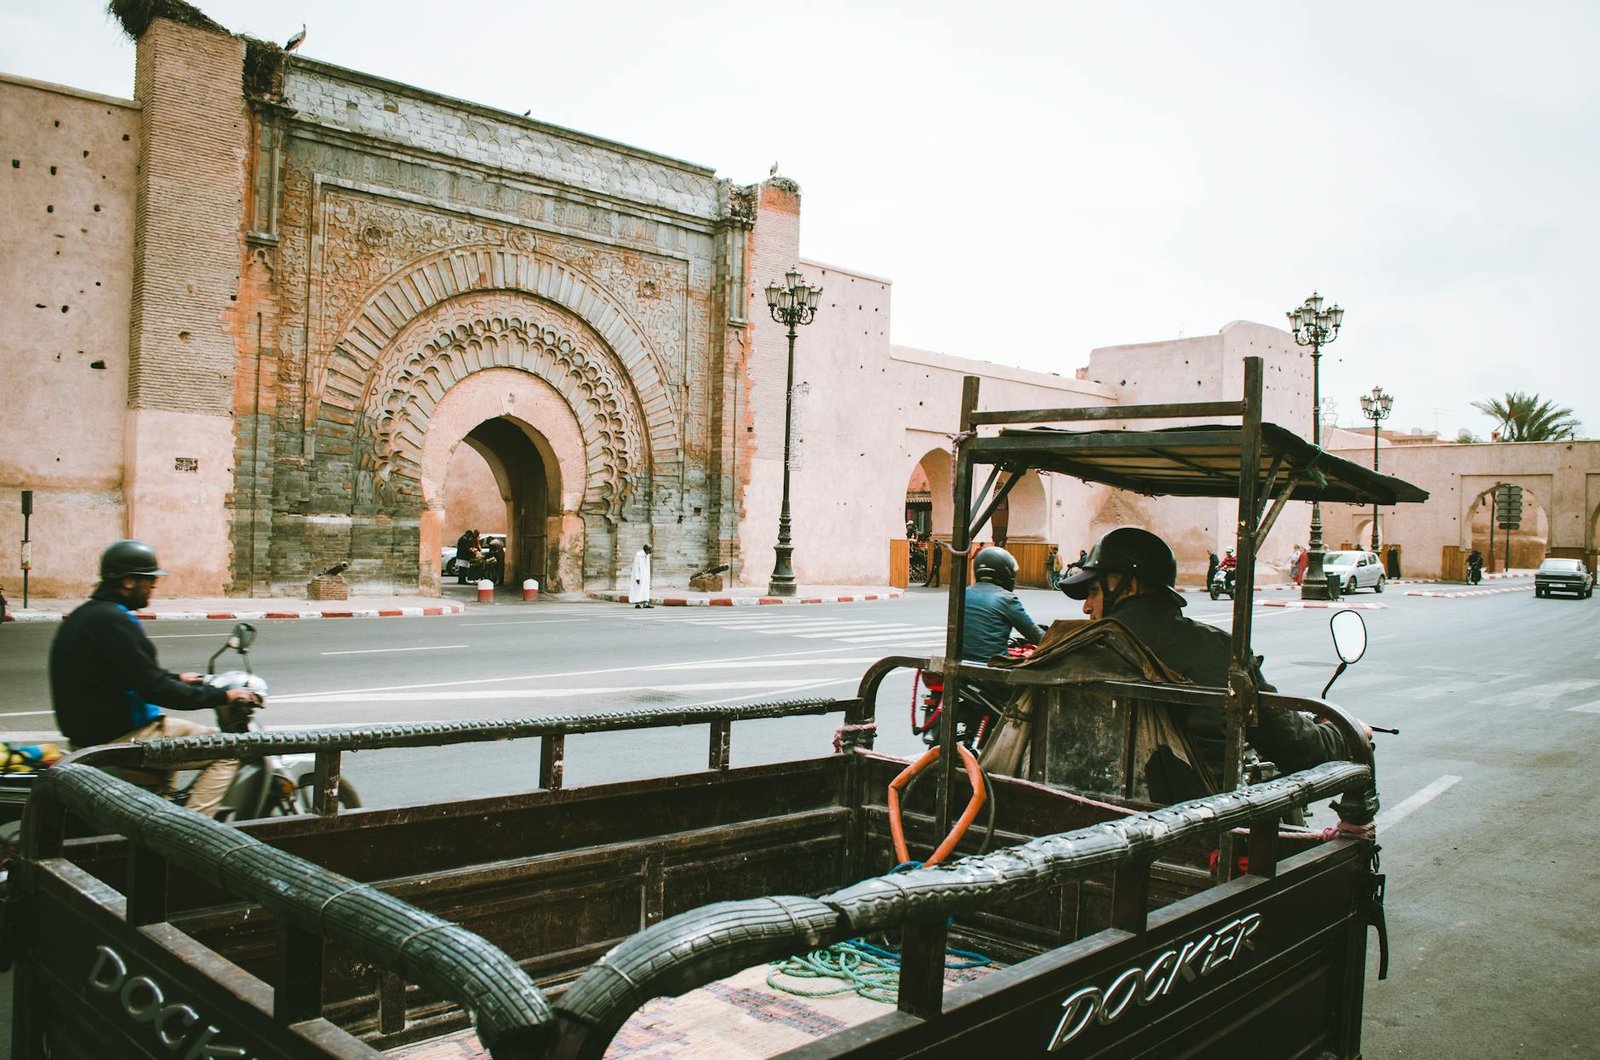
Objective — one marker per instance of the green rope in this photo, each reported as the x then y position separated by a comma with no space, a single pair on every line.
859,967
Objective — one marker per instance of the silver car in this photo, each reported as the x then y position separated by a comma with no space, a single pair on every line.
1356,570
1557,575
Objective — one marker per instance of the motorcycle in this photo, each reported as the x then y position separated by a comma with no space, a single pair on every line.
1221,583
267,786
272,784
1474,571
980,710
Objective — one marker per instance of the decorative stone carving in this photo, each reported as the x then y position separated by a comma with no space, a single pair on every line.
405,387
742,204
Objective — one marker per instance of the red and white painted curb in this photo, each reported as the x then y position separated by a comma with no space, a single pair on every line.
260,616
754,601
1455,593
1366,605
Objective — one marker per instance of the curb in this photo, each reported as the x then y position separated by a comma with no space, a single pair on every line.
259,616
750,601
1456,593
1370,605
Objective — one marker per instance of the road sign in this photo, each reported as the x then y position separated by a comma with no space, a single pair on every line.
1508,502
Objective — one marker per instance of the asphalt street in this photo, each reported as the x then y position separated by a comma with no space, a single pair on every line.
1488,790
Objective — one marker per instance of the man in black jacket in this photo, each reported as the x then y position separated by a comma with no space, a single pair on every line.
1131,576
106,685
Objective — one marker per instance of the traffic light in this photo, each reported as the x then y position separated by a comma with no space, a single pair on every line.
1508,507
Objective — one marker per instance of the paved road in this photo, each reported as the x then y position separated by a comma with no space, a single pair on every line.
1489,792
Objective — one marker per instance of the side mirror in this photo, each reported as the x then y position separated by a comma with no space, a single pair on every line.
244,635
1349,635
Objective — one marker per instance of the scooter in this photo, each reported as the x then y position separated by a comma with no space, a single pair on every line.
1221,583
272,784
1474,572
980,711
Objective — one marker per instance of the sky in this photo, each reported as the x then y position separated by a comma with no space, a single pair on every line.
1039,180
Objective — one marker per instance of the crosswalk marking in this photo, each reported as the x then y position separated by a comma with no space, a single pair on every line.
1387,819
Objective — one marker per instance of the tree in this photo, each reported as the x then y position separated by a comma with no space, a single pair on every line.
1528,418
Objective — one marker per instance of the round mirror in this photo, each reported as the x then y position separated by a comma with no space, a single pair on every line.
244,634
1349,635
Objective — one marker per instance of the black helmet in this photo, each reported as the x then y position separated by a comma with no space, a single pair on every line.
124,558
1128,550
995,564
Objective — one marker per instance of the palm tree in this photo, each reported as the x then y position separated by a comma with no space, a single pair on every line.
1528,418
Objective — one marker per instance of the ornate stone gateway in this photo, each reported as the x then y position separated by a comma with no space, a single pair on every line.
421,274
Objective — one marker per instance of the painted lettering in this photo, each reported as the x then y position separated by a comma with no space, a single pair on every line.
1111,1005
1080,1009
1197,957
1154,984
172,1038
142,1000
108,972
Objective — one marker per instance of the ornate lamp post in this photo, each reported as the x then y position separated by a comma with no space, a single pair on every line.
1375,407
1315,326
793,306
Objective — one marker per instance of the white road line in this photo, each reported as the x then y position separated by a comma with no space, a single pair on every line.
338,693
179,636
538,693
879,632
383,651
25,713
1586,708
864,660
788,623
1387,819
898,638
529,622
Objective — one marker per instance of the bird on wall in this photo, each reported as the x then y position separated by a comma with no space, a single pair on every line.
296,40
773,171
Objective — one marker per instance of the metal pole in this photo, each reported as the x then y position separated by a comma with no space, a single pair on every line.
782,583
1375,423
27,547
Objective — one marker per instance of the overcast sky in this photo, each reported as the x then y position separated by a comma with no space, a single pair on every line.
1042,179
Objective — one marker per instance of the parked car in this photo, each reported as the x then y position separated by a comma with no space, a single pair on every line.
1356,570
1557,575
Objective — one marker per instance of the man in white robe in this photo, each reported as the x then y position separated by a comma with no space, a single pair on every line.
639,590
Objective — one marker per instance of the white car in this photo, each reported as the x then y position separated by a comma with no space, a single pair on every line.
1356,570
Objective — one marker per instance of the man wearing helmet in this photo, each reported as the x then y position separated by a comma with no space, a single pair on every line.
106,685
992,607
1131,576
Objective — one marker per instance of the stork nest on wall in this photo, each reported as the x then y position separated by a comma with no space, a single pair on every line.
136,15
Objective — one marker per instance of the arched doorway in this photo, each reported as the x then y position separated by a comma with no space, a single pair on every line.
497,482
1521,548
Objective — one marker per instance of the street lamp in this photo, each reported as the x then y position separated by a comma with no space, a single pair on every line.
1315,326
793,306
1375,407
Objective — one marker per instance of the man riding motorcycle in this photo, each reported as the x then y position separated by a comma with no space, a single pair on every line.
1131,576
992,607
107,687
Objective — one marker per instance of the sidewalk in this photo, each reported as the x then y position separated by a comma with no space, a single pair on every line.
455,601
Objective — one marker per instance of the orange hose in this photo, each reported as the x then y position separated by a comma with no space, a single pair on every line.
980,795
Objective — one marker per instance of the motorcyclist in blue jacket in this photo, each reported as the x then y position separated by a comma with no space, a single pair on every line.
107,687
992,608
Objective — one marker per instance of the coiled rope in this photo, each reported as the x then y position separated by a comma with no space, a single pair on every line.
859,967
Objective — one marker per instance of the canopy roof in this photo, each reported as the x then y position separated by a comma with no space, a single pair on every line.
1192,462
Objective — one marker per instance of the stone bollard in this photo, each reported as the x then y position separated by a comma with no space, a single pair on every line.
486,591
530,590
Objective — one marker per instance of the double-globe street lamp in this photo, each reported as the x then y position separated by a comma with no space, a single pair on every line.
1315,326
1375,407
792,306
